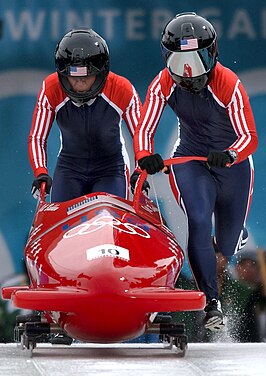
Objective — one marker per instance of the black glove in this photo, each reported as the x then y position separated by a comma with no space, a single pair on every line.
152,164
218,159
133,180
37,182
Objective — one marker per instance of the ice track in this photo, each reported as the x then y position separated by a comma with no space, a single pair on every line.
219,359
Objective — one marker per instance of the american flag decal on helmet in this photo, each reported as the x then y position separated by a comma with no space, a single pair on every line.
188,44
78,71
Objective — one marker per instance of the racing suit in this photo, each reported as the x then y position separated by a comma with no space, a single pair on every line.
217,118
93,155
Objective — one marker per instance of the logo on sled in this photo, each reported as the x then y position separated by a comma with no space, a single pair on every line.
87,228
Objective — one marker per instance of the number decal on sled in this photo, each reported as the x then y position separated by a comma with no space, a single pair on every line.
108,250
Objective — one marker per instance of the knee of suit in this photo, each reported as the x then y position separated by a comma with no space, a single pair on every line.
199,220
200,229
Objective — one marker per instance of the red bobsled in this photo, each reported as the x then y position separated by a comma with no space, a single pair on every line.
100,267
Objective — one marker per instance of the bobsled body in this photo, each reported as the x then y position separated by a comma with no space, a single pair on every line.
100,267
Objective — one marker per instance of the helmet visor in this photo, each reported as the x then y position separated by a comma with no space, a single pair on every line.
190,63
73,71
76,66
89,69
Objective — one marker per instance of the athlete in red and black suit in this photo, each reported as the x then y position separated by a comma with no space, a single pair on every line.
215,121
88,103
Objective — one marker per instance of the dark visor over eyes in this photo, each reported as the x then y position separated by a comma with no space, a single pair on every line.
88,67
76,70
190,63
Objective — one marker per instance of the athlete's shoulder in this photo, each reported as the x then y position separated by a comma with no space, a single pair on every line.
223,83
116,82
119,90
52,81
52,89
163,82
224,74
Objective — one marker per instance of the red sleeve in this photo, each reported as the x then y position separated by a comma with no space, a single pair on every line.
43,117
123,95
156,99
228,90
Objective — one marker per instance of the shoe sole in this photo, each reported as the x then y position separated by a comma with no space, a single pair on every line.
214,324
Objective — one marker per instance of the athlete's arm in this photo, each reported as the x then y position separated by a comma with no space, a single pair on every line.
42,120
156,99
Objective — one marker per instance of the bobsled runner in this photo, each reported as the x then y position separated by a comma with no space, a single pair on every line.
100,269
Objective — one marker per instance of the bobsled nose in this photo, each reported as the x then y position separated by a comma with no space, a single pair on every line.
104,282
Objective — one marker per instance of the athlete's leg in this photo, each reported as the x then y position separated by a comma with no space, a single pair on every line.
195,191
112,179
232,206
115,185
69,180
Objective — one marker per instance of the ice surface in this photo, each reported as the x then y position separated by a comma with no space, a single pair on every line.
208,359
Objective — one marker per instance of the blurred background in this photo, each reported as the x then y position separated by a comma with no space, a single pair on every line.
29,32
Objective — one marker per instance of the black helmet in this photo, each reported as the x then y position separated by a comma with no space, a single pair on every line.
82,52
189,47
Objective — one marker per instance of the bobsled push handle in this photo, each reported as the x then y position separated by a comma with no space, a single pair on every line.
167,162
42,191
179,160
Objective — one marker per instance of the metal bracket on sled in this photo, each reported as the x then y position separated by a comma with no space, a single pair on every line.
171,334
32,329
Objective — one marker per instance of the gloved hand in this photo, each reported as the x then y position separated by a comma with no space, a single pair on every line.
133,180
37,182
152,164
218,159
